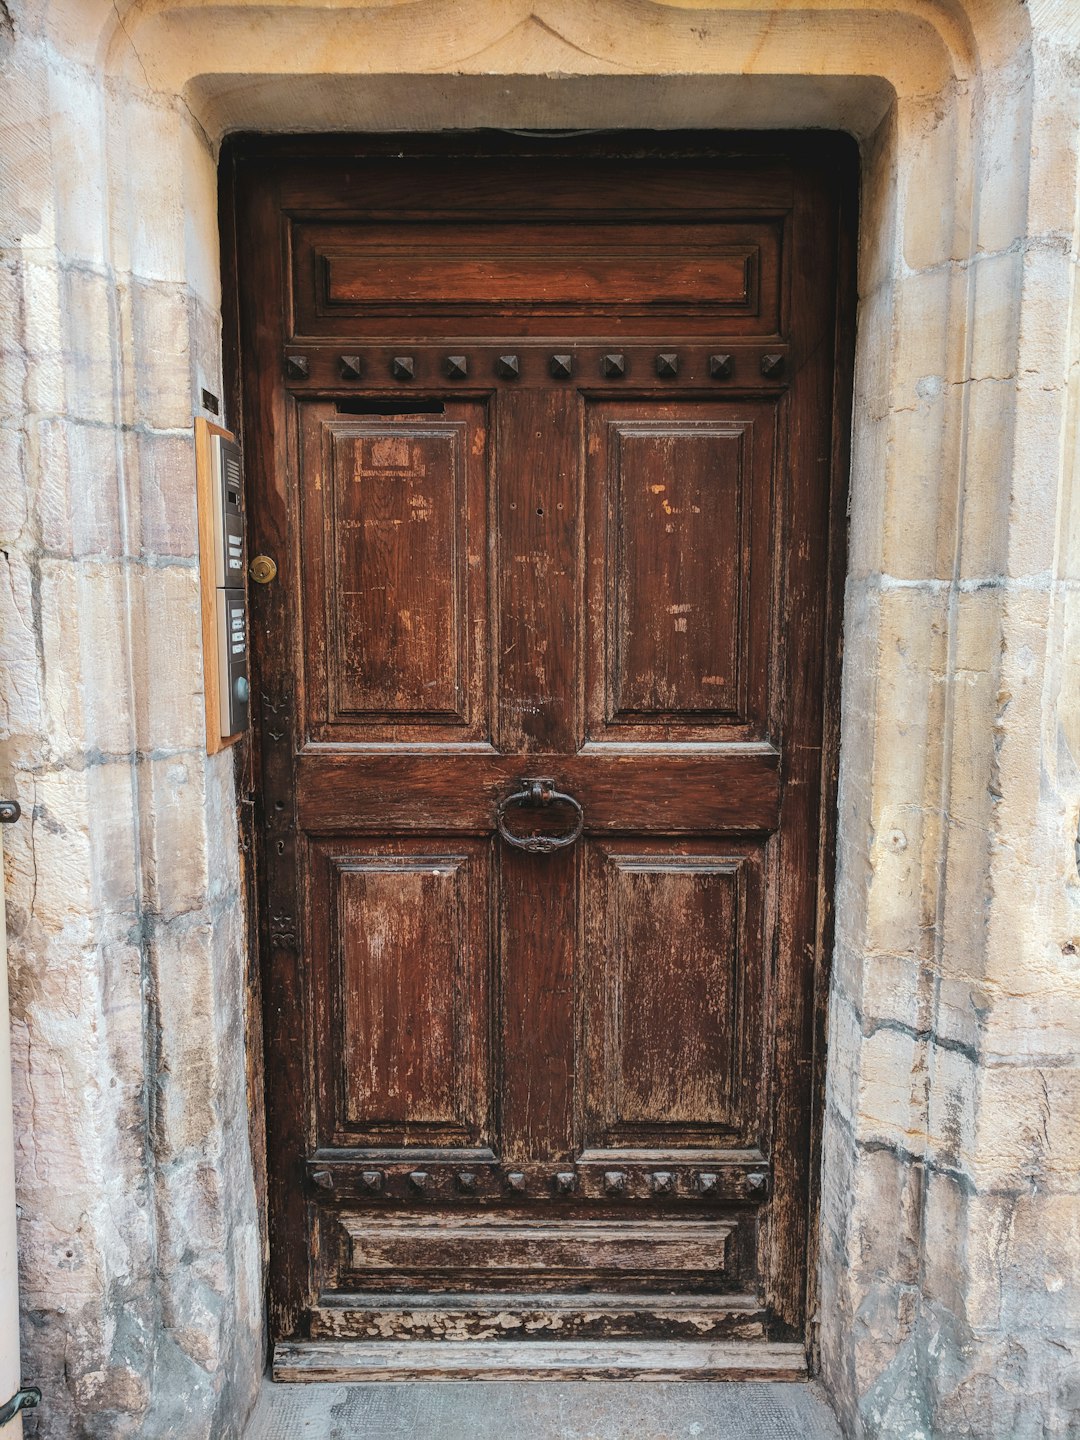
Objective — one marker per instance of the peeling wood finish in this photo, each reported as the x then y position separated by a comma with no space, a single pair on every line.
538,1359
528,524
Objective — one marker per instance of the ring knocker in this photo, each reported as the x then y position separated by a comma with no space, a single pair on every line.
538,795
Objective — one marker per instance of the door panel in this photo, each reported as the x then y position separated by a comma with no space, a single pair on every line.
681,547
543,454
673,982
405,1054
394,566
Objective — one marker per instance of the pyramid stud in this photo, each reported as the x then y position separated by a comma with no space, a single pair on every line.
457,366
614,366
418,1179
707,1183
351,368
508,366
667,365
516,1181
565,1181
402,367
562,366
296,367
663,1182
372,1181
720,367
772,366
466,1181
615,1182
324,1179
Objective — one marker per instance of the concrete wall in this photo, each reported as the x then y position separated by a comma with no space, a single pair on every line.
950,1259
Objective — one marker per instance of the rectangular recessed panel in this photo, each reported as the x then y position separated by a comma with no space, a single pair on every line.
500,265
534,1247
393,568
398,624
408,960
678,565
674,960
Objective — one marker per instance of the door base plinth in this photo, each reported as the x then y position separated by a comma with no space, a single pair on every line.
353,1361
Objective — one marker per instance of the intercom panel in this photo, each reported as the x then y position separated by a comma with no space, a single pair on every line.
228,513
232,661
222,563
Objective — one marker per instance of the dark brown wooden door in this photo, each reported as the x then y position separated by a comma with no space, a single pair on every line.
543,449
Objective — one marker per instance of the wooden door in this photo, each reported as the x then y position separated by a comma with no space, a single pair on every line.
543,448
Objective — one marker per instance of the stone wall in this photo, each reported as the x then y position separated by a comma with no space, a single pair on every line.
950,1236
139,1230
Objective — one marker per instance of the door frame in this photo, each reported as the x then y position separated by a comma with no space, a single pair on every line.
829,148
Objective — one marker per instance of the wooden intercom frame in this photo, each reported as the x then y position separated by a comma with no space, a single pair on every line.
205,430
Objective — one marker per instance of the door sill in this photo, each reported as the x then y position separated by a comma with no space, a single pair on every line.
352,1361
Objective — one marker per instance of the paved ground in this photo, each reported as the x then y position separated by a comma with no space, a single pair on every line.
543,1410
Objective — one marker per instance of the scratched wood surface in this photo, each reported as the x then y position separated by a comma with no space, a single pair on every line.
545,454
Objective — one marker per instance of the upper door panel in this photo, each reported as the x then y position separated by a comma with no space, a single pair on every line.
461,277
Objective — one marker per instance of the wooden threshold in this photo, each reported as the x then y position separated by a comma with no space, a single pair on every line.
351,1361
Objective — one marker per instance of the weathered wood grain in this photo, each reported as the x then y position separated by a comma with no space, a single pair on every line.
350,1361
619,577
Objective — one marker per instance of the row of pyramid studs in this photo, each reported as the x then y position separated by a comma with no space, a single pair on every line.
508,367
616,1182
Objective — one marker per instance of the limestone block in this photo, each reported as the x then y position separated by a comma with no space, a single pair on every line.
13,360
951,1090
221,829
166,622
146,196
161,354
26,179
84,643
891,1084
168,519
78,163
20,696
845,1048
1028,1129
995,279
173,824
1054,138
78,491
878,238
89,338
188,1058
990,440
202,243
910,658
13,491
114,858
1023,1254
932,135
1040,429
43,335
897,987
1004,119
48,859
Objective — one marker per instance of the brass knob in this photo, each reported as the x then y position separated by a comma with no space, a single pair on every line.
262,569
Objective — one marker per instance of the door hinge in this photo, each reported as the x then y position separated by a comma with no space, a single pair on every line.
28,1398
